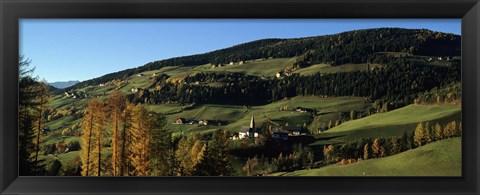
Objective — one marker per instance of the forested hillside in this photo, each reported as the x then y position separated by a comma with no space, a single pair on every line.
358,46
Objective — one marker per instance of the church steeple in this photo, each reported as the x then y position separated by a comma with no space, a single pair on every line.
252,123
251,132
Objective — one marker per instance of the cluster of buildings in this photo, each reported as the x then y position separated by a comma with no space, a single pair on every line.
441,58
282,74
231,63
75,94
182,121
281,133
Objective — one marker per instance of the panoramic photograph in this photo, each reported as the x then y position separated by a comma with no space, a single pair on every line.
240,97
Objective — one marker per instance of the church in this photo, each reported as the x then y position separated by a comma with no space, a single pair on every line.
248,131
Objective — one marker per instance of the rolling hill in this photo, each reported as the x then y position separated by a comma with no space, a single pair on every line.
393,123
441,158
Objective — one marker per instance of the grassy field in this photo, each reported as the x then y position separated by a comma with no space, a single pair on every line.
325,68
238,116
393,123
257,67
441,158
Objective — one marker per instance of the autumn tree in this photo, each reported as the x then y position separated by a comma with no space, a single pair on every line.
92,138
419,135
438,132
116,105
365,151
428,137
42,99
139,148
376,148
250,167
329,154
126,140
190,153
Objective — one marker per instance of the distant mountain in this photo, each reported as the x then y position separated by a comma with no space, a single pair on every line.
63,84
358,46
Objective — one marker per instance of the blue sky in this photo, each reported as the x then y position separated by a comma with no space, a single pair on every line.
66,49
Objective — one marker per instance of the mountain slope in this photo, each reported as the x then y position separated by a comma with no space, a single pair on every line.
63,84
441,158
357,46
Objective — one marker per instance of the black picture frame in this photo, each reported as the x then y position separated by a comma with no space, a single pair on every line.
13,10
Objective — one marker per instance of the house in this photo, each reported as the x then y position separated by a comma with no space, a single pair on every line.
241,62
279,74
243,133
248,131
135,90
45,130
294,131
203,122
280,135
101,85
192,122
214,66
440,58
67,94
180,121
300,109
231,63
234,136
140,75
321,129
448,58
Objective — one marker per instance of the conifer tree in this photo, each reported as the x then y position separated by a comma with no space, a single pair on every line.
438,132
395,148
376,148
92,135
419,135
116,104
41,106
161,146
428,133
139,148
126,140
365,151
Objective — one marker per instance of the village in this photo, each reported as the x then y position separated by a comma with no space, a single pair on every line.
251,131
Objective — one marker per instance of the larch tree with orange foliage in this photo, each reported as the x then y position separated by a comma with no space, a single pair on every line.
116,105
93,127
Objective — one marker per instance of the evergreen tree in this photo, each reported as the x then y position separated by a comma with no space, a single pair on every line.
27,93
161,146
215,161
395,146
